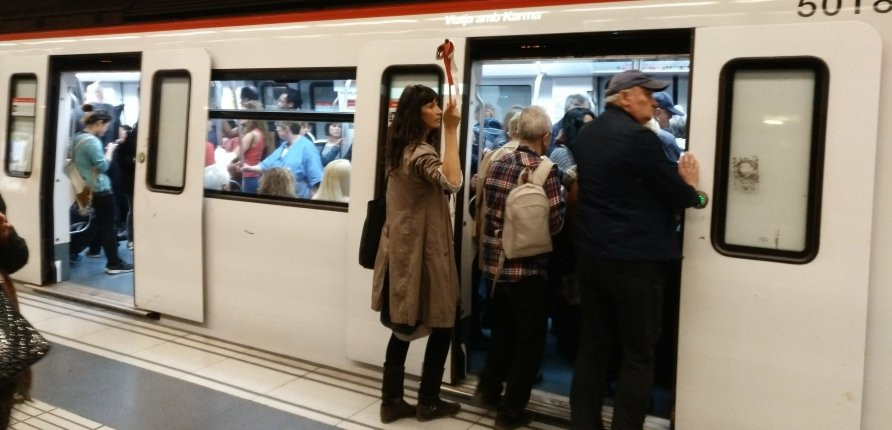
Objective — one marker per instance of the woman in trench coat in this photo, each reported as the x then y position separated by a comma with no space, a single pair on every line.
416,281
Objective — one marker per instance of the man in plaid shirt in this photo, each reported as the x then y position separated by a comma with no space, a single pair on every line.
520,298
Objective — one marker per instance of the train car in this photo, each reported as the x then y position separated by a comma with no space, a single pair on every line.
781,316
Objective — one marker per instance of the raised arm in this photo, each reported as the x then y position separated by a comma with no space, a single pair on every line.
451,165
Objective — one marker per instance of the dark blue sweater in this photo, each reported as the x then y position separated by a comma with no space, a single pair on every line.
629,192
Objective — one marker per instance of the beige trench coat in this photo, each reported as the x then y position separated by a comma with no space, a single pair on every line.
416,243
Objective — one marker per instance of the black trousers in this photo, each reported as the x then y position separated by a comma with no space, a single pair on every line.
621,305
104,205
519,325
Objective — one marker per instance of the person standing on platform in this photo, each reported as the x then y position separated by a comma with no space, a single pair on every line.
629,196
415,284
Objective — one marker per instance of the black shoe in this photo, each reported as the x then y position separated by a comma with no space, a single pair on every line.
394,409
432,409
92,254
506,421
121,267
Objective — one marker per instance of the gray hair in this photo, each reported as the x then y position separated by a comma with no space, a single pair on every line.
533,123
215,177
576,100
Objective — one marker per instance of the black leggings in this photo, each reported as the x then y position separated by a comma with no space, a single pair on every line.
434,354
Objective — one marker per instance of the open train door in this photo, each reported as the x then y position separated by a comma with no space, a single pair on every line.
385,69
775,276
23,83
169,188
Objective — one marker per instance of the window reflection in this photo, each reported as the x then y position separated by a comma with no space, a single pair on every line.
313,95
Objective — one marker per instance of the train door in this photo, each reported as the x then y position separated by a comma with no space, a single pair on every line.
557,73
169,191
775,280
22,98
381,77
109,83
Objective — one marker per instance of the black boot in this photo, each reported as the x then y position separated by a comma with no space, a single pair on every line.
430,406
393,407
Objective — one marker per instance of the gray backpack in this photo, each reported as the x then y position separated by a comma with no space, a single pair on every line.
525,232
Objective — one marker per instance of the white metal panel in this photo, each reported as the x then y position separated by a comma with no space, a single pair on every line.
22,195
169,259
772,345
366,337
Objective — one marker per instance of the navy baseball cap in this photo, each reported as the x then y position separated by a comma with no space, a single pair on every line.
633,78
665,102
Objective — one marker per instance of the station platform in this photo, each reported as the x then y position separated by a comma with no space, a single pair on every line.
108,370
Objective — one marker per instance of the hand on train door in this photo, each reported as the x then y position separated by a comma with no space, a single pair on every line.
689,169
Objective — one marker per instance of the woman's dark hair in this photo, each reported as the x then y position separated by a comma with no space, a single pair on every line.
573,121
407,127
92,117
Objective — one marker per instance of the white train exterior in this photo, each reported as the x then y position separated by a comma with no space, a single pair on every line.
762,343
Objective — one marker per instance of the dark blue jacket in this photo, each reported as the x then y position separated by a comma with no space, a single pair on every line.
629,192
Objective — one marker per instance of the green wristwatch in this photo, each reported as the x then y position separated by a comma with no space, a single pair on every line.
702,200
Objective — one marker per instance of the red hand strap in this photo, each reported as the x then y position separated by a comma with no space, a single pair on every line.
446,51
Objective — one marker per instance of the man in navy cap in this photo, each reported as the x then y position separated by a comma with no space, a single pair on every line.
629,195
666,110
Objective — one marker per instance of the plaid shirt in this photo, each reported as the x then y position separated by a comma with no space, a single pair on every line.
501,178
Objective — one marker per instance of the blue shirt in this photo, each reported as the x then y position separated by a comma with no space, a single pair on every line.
673,152
90,154
302,158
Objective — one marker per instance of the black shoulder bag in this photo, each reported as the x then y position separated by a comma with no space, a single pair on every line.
375,216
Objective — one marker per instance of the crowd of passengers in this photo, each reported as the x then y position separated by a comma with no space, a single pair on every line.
103,150
278,159
616,187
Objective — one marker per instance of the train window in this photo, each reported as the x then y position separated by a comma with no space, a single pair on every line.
281,136
394,80
20,135
769,158
168,136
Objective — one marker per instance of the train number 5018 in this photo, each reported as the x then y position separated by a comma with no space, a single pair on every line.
809,8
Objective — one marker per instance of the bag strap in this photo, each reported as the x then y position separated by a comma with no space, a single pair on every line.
540,175
79,141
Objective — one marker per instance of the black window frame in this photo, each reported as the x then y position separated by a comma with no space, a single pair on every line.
384,110
155,115
13,79
816,158
285,76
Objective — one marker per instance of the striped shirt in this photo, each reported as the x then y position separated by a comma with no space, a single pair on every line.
501,178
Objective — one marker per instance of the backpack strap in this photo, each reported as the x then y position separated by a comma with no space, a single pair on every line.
540,175
79,141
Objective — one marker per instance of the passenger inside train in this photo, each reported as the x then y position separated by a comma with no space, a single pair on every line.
286,109
567,90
